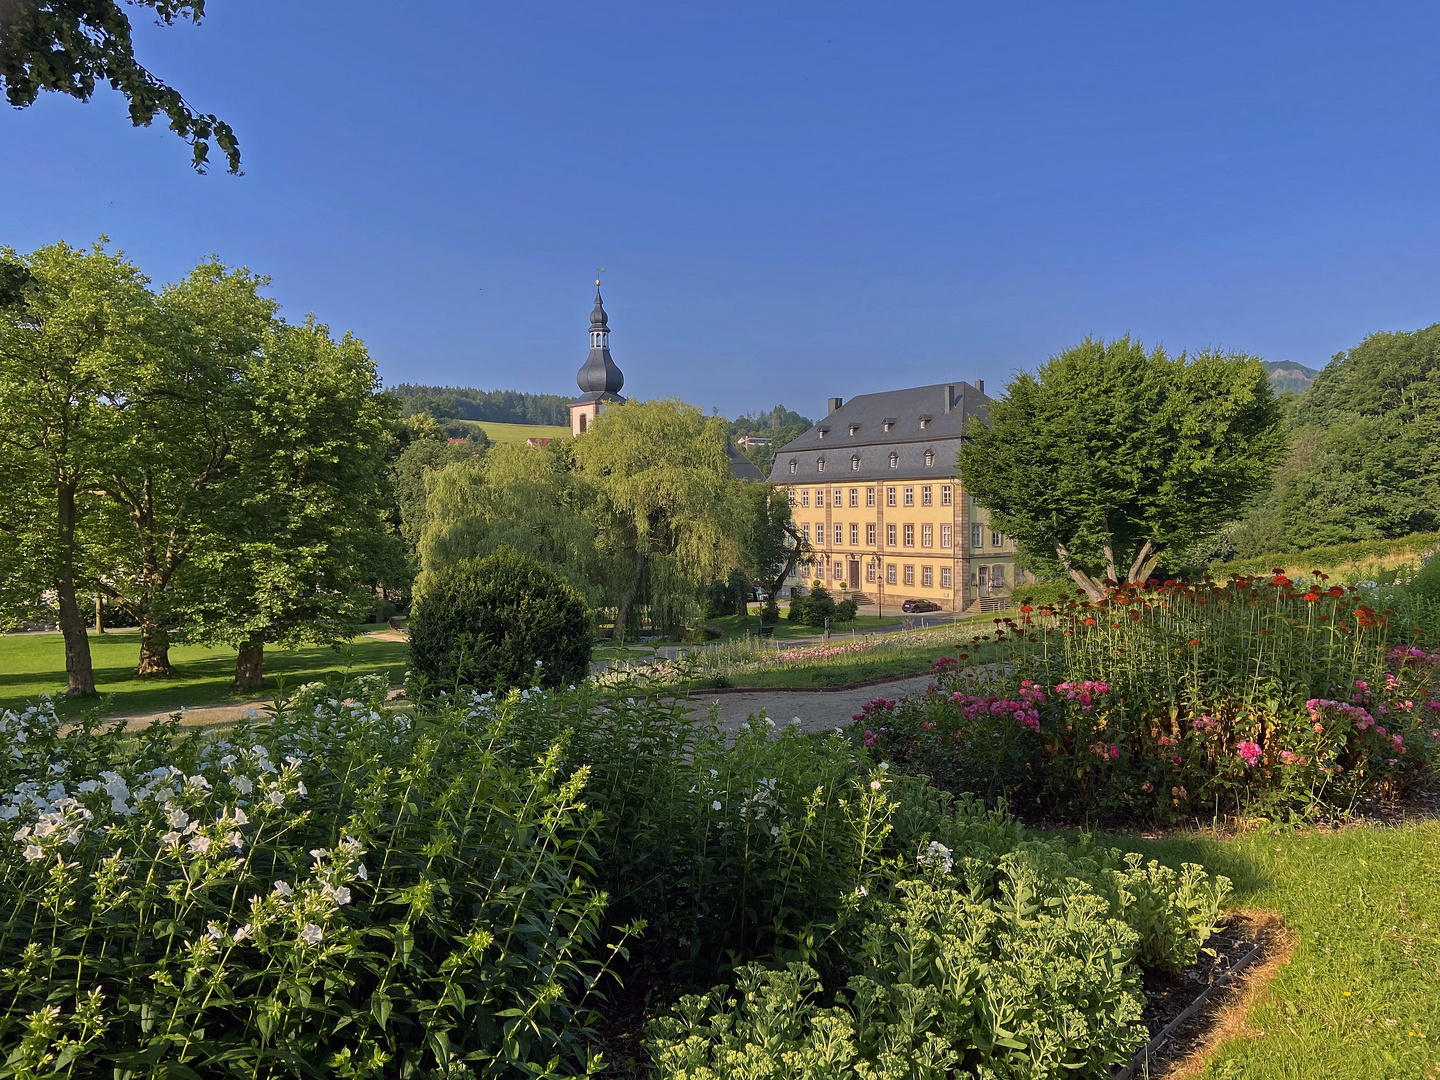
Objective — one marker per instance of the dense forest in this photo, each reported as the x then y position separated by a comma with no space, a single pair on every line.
1365,455
497,406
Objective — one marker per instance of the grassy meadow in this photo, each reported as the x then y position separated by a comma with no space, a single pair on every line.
514,433
34,664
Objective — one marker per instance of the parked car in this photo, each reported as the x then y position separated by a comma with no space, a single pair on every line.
913,606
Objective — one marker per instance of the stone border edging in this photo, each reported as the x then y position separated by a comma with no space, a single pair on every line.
1147,1051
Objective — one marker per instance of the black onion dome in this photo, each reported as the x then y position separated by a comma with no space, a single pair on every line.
599,375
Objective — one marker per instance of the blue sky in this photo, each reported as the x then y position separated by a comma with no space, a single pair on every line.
791,201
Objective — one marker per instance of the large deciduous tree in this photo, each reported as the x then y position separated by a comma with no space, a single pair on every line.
165,484
68,46
1110,457
770,543
302,542
74,364
663,471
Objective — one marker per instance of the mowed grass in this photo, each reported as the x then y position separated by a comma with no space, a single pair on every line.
514,433
737,626
1361,996
34,664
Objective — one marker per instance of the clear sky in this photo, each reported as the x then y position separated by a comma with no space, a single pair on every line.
791,200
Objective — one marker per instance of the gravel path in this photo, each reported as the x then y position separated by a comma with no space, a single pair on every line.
818,710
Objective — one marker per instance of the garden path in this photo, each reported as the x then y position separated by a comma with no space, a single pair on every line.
818,710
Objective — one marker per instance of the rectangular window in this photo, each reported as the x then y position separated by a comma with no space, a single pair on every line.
870,534
889,496
819,532
944,577
839,498
869,496
1019,576
854,535
794,571
854,496
791,495
944,536
997,575
925,499
839,533
927,577
909,535
927,535
837,571
805,497
890,573
977,535
805,529
890,535
944,494
870,573
909,496
909,574
995,539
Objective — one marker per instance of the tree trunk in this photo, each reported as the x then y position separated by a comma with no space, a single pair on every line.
80,675
248,665
1093,589
154,652
99,614
1145,560
622,615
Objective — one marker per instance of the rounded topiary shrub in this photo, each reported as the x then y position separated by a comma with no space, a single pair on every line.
503,621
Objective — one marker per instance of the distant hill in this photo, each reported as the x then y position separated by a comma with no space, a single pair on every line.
496,406
1288,377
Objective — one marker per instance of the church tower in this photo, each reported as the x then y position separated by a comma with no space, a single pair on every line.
600,380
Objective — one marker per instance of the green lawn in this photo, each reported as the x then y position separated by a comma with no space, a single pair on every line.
1361,997
34,664
737,626
512,433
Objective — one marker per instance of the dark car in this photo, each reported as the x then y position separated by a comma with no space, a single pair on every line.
919,605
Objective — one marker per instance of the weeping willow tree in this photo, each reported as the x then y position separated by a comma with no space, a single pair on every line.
527,498
670,500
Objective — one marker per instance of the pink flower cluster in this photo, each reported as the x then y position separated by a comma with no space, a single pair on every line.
870,708
1023,711
1249,752
1408,654
943,665
1360,716
1083,692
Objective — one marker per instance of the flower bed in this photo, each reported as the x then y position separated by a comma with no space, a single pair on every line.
1179,700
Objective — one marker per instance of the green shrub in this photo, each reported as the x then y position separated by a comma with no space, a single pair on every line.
846,610
503,621
770,612
814,608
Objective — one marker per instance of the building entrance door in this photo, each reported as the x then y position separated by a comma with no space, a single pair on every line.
854,573
984,581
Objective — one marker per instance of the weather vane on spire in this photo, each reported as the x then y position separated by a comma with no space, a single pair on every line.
598,271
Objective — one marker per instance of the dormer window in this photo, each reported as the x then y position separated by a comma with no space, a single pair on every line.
925,422
854,429
794,466
888,423
822,432
820,464
929,458
855,463
894,460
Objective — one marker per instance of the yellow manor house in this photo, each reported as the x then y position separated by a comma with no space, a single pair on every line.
875,488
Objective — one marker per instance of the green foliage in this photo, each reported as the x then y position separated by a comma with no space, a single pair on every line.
770,544
1294,702
780,425
730,596
67,48
1110,458
499,622
1364,464
499,406
340,892
1336,559
413,469
846,610
814,608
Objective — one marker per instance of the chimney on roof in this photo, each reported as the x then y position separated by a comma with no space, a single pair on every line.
952,398
980,385
835,403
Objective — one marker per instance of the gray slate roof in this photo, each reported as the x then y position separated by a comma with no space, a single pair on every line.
741,467
830,438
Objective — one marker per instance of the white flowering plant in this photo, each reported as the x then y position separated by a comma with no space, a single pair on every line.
340,890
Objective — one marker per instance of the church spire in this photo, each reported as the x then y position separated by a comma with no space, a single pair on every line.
599,375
